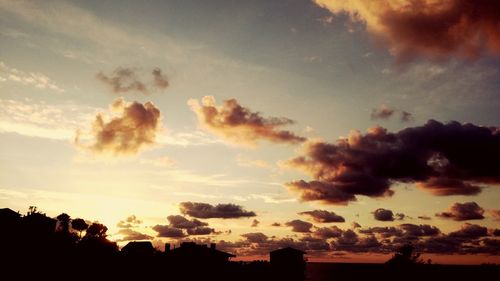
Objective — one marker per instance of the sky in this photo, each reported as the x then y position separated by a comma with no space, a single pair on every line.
344,128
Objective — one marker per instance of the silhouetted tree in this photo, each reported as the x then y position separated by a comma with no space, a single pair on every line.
97,230
32,210
64,220
405,255
79,225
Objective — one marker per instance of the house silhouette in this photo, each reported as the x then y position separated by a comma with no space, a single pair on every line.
138,249
288,264
193,253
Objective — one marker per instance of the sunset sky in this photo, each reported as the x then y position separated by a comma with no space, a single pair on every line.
344,128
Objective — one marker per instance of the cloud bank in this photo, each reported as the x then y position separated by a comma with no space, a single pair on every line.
427,28
443,159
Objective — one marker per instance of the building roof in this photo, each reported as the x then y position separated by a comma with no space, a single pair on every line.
138,245
6,212
288,250
191,247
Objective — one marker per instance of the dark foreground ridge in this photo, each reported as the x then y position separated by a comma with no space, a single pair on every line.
37,247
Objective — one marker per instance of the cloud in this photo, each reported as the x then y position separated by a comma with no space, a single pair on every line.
470,231
382,112
323,216
238,124
160,80
276,224
383,215
444,159
168,231
427,28
355,225
130,235
463,211
419,230
35,79
385,112
200,230
183,223
206,211
327,232
406,116
300,226
134,127
180,227
124,80
424,217
495,214
129,222
384,232
255,223
256,237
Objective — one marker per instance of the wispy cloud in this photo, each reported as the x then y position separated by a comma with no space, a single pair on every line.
39,119
34,79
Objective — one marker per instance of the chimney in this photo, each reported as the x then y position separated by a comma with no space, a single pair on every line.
212,246
167,247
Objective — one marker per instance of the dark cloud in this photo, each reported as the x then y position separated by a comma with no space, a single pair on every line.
240,125
385,112
381,214
276,224
160,80
134,128
131,221
206,211
385,231
132,235
496,232
323,216
401,216
431,29
424,218
382,112
200,230
183,223
327,232
406,116
355,225
321,191
123,80
256,237
255,223
168,231
463,211
419,230
300,226
448,186
470,231
444,159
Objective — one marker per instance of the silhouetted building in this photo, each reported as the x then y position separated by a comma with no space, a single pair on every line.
138,249
7,215
288,264
194,253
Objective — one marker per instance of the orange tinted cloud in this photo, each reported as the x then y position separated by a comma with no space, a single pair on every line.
133,128
238,124
428,28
